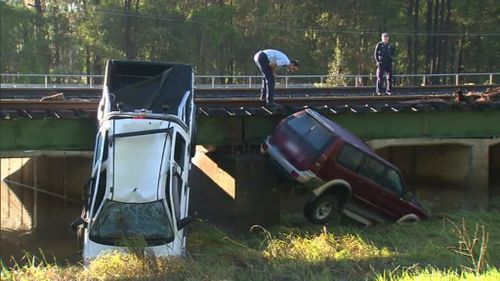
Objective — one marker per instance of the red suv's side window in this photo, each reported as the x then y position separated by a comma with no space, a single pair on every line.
381,174
369,167
393,181
350,157
373,169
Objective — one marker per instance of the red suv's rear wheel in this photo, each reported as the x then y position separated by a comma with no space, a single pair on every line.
324,209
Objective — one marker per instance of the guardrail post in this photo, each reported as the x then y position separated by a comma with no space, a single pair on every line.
321,81
423,80
249,81
213,82
286,81
91,81
356,81
46,81
491,78
457,79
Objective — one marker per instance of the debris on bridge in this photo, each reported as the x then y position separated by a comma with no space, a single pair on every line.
53,97
489,96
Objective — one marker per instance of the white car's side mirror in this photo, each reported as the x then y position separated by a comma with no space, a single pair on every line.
77,223
182,223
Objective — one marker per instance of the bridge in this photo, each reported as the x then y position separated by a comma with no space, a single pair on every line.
70,125
449,152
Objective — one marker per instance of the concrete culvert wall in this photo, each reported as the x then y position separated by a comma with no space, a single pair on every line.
436,173
32,220
494,170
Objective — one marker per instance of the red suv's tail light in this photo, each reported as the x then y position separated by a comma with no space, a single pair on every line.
265,146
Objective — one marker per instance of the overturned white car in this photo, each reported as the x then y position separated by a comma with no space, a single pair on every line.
139,184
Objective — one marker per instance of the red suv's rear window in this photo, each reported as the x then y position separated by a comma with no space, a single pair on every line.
311,134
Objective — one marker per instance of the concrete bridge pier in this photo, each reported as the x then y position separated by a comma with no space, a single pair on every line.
237,189
478,186
494,170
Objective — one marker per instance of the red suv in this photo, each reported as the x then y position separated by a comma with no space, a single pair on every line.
342,172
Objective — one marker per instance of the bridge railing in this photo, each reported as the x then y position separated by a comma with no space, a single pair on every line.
254,81
51,80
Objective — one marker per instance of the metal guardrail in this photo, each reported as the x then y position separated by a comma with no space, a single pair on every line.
254,81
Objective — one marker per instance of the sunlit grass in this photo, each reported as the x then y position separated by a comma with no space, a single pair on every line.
433,274
323,246
421,251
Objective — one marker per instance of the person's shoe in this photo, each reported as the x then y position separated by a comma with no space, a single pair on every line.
389,93
377,94
272,104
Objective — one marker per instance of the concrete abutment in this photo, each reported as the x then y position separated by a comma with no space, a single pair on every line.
230,186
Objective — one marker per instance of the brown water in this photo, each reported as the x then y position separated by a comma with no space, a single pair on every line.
53,237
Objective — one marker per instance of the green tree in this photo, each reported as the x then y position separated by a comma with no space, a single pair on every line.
221,36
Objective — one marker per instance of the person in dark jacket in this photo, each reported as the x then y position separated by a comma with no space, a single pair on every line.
384,56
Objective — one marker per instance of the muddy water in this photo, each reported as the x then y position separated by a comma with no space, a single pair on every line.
39,220
53,237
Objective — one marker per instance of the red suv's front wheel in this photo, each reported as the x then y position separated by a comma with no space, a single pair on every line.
325,208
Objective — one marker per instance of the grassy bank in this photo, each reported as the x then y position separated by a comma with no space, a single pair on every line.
435,249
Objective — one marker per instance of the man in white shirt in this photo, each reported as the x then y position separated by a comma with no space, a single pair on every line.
269,61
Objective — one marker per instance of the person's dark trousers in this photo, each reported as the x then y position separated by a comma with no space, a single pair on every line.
267,91
381,70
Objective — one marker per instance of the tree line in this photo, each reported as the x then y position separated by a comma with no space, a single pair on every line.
221,36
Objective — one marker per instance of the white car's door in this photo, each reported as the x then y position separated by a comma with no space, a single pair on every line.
179,190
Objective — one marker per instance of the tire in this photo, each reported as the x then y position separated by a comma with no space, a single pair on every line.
325,209
80,234
408,219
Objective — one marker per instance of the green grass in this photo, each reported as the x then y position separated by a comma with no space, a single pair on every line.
297,250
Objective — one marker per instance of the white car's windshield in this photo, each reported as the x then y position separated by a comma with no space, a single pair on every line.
117,221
